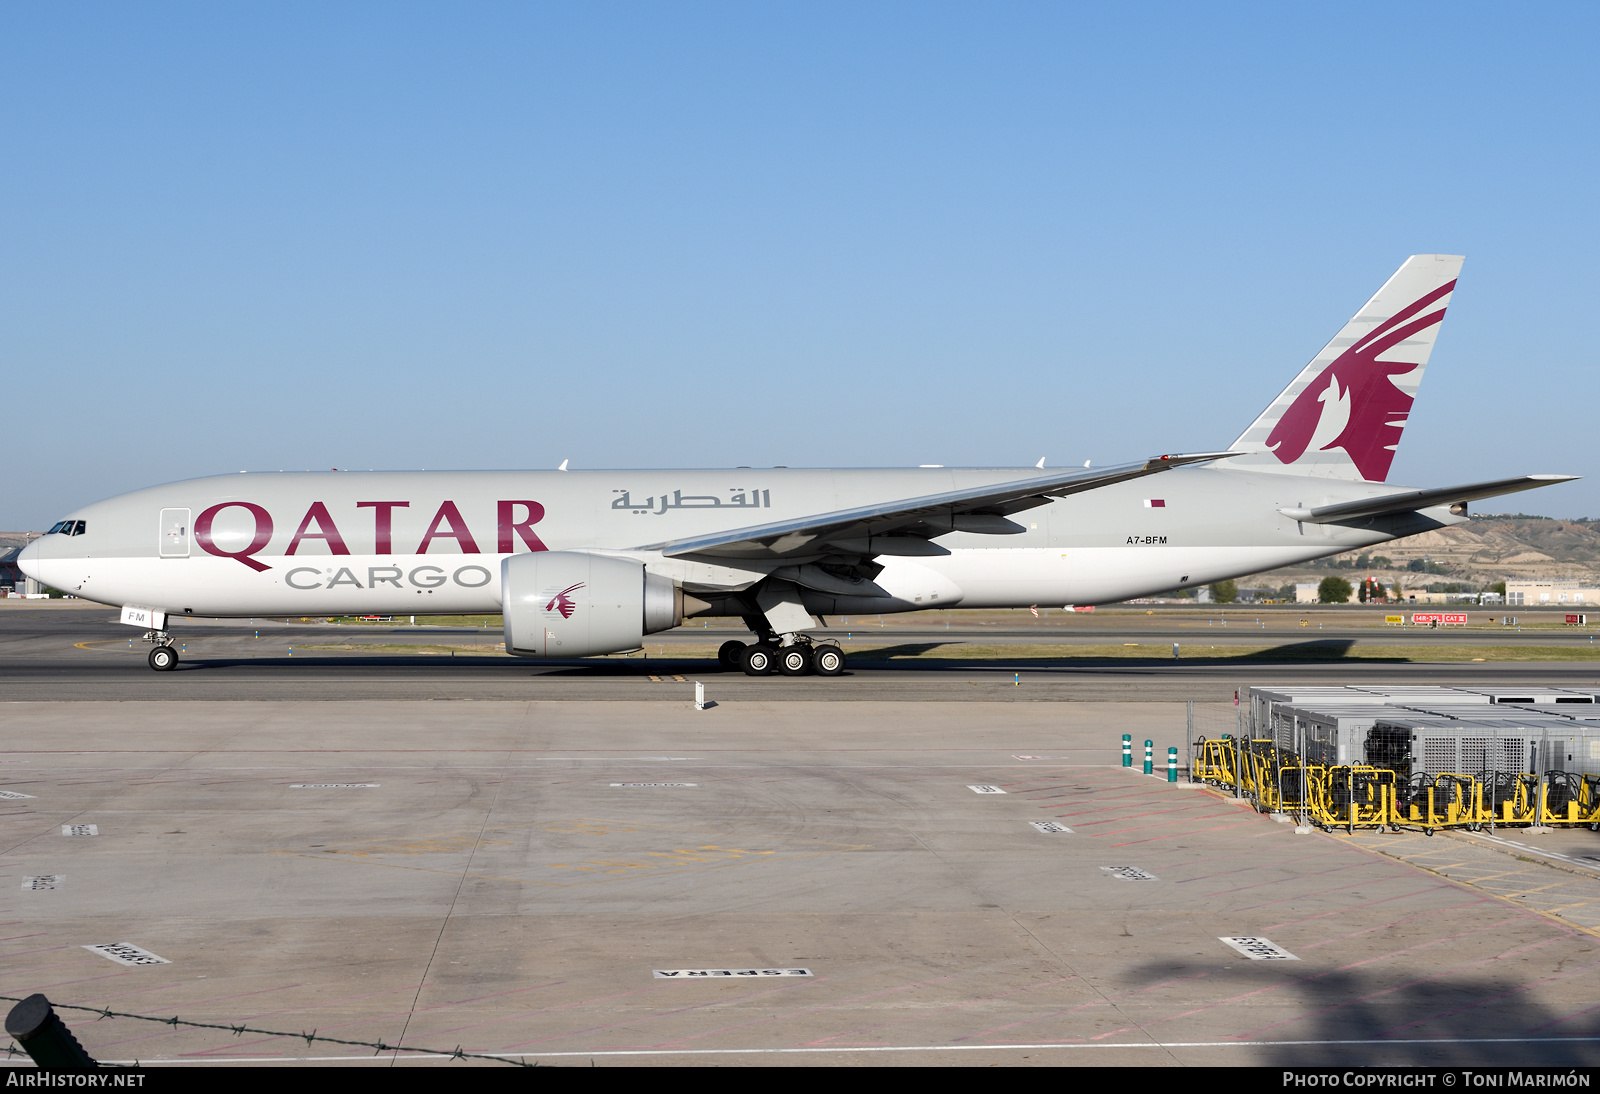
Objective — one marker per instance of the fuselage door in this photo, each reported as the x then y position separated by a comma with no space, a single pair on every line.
174,533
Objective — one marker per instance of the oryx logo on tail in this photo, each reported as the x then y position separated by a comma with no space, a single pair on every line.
1354,404
562,602
1342,415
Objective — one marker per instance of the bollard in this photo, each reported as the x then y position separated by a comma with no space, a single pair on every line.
1127,751
1149,759
34,1025
1172,765
699,695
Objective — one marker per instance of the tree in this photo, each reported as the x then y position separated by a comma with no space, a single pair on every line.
1225,592
1334,590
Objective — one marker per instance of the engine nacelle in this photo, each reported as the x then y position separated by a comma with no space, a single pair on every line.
571,604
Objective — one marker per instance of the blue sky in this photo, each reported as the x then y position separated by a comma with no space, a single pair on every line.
649,235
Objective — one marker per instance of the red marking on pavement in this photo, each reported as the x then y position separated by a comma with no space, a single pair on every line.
1563,1018
368,1019
1103,1001
1137,816
1307,896
1486,1000
775,990
79,980
1372,903
1248,869
1384,926
1397,987
936,1010
1163,824
38,949
1176,835
1141,799
806,1010
1291,878
1180,835
1315,976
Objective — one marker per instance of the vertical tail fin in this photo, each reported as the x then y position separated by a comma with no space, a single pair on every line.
1343,415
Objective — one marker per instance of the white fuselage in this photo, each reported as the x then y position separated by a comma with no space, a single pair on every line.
338,543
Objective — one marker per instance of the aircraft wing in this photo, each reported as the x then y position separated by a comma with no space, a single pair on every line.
892,527
1412,500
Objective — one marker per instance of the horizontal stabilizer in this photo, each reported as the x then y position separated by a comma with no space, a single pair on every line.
863,530
1412,500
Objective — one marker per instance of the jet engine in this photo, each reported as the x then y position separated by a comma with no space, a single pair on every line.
563,604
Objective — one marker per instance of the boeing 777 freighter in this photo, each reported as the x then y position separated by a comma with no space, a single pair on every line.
583,563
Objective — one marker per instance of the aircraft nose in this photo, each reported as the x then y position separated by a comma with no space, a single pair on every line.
28,560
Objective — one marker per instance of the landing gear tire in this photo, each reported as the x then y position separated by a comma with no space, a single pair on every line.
829,660
794,661
163,658
758,660
728,655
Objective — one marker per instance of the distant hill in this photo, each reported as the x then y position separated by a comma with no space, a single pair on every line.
1488,548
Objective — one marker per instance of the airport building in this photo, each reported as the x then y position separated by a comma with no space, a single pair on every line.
10,576
1552,592
13,582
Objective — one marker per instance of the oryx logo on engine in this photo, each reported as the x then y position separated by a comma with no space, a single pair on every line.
562,602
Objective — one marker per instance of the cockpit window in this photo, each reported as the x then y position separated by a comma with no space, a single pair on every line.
57,527
79,527
68,528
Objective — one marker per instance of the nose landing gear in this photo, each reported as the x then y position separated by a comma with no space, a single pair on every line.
163,658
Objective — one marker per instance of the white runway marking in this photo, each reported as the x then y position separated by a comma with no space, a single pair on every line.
1259,949
1129,873
692,974
124,954
388,1059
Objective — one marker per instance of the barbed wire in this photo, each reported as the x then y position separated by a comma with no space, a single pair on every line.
379,1047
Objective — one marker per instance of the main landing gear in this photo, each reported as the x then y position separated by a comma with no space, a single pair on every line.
163,658
799,657
777,616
